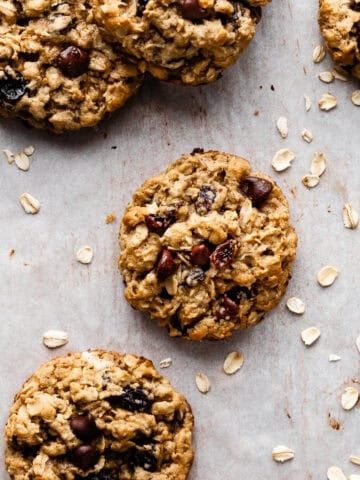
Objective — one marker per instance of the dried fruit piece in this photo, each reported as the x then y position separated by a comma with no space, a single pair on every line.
55,338
355,459
29,203
73,61
334,358
132,399
165,363
307,135
282,159
10,157
166,264
12,87
335,473
227,308
202,382
282,454
85,254
326,77
233,362
282,126
327,276
327,102
158,223
307,103
110,218
310,181
318,164
223,254
355,98
349,398
310,335
22,161
350,215
296,305
257,189
318,53
205,199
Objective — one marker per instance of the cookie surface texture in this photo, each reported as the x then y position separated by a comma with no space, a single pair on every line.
56,70
339,22
101,416
206,247
184,41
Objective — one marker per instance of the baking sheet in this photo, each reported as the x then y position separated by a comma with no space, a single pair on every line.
285,392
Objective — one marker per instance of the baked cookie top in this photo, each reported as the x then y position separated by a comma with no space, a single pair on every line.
102,416
206,247
183,41
56,70
339,22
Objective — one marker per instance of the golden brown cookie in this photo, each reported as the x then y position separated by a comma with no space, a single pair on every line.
207,247
101,416
339,22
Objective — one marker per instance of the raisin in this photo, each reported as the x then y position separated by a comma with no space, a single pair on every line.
200,255
73,61
12,88
144,459
166,264
223,254
132,399
257,189
205,199
227,308
158,223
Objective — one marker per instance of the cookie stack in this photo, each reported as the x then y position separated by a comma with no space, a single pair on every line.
64,64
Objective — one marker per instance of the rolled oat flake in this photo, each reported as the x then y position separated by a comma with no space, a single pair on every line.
55,338
282,454
327,276
233,362
202,382
295,305
349,398
85,255
310,335
335,473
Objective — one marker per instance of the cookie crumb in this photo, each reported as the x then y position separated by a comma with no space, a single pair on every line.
334,424
256,113
110,218
12,253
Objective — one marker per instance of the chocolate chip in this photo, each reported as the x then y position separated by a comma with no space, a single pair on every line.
12,88
84,427
223,254
196,276
132,399
73,61
205,199
158,223
144,459
257,189
200,255
141,5
355,6
191,10
227,308
166,264
85,456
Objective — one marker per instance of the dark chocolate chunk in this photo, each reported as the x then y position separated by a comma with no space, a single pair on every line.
257,189
12,88
166,264
85,457
73,61
84,427
144,459
227,308
200,255
205,199
132,399
191,10
141,5
223,254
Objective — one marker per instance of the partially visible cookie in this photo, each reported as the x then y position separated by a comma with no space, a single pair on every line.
102,416
339,22
207,247
183,41
56,70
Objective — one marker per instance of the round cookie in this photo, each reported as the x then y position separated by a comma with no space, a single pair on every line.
101,416
56,70
206,247
183,41
339,22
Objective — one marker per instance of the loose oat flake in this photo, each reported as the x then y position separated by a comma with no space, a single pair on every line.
310,181
318,53
354,477
318,164
307,103
282,126
165,363
335,473
233,362
327,276
202,382
355,98
355,459
349,398
334,358
340,74
295,305
282,454
29,150
282,159
22,161
350,215
358,343
85,254
307,135
55,338
327,102
29,203
10,157
310,335
326,77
